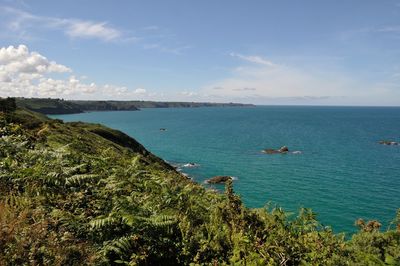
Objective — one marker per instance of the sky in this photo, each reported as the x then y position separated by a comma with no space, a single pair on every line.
310,52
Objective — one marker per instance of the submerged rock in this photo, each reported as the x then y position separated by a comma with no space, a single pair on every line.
388,142
283,149
219,179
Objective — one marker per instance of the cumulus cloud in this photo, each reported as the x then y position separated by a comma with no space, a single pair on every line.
54,87
4,77
29,74
19,61
140,91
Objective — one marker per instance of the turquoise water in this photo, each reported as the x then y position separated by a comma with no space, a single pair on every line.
342,173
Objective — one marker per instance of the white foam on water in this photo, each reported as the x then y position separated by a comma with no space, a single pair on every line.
190,165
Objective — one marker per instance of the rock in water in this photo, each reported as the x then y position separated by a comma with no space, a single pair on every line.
218,179
283,149
388,142
270,151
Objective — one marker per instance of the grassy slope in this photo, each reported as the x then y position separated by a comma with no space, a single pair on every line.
77,193
49,106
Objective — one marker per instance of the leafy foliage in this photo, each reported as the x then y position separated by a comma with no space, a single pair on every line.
7,105
83,194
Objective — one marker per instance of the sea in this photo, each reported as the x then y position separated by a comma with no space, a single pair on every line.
335,164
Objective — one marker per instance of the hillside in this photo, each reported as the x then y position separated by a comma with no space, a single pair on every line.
59,106
125,105
48,106
85,194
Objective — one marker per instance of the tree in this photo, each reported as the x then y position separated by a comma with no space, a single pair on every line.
8,105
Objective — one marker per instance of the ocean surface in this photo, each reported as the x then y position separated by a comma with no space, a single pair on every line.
342,173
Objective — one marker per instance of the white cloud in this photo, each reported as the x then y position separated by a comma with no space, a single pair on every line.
22,70
265,82
28,74
389,29
48,87
173,50
253,59
189,93
19,61
22,25
244,89
4,77
89,29
22,22
140,91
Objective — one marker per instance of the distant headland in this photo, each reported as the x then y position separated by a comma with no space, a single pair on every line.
61,106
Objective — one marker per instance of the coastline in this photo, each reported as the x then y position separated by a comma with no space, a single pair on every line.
61,106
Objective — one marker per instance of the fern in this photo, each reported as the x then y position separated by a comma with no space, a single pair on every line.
77,180
123,247
103,223
128,219
74,169
123,244
161,220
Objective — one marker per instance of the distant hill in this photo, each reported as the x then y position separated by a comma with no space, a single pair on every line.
49,106
60,106
153,104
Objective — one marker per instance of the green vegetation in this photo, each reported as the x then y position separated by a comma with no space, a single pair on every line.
152,104
59,106
48,105
84,194
7,105
106,105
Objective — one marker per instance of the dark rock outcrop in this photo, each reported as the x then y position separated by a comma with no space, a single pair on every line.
218,179
283,149
388,142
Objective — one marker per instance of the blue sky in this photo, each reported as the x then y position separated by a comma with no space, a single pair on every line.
264,52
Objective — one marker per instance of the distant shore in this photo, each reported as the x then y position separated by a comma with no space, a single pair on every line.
61,106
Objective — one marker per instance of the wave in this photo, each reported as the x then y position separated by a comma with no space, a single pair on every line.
190,165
